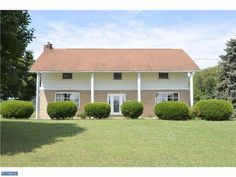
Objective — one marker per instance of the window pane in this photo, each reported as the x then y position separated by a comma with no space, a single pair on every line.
176,97
170,98
109,100
67,75
75,97
65,98
163,75
58,97
117,76
164,96
116,104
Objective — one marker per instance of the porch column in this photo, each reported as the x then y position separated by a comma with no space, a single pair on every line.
37,95
139,86
92,87
191,89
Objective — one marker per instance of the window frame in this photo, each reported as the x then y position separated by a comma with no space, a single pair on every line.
167,96
163,73
55,97
67,78
117,78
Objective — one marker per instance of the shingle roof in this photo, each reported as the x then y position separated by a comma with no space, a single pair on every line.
94,60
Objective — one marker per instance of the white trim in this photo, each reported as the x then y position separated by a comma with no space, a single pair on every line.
116,94
139,86
92,88
37,107
191,89
72,89
67,93
166,92
118,71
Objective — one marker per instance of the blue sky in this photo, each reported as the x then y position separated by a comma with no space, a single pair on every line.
202,34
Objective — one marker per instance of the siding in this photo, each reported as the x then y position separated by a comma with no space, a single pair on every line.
54,81
150,81
104,81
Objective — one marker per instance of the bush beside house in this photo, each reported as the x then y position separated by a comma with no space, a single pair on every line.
82,115
61,110
97,110
213,109
16,109
171,110
132,109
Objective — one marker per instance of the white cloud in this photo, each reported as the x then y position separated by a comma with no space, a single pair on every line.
198,41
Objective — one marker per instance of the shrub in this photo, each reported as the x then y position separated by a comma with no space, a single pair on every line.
132,109
61,110
214,109
82,115
172,110
97,110
192,113
16,109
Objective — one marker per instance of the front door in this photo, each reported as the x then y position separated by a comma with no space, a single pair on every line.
115,101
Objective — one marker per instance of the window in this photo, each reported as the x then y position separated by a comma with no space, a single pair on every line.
68,96
117,76
67,75
163,75
166,96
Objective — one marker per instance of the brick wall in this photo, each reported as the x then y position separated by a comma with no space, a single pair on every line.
47,96
148,98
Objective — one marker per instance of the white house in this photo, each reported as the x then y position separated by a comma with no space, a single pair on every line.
113,76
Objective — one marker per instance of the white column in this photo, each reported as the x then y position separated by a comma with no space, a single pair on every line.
191,89
92,87
139,86
37,95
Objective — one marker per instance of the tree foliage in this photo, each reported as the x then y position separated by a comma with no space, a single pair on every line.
227,73
15,59
205,82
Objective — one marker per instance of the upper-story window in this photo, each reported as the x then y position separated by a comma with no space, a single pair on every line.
67,76
163,75
117,76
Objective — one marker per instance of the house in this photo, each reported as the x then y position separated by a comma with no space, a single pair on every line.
113,76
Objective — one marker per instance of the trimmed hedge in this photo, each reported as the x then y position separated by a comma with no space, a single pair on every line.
132,109
97,110
16,109
172,110
213,109
61,110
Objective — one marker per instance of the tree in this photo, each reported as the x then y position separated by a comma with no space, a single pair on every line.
205,82
227,74
15,60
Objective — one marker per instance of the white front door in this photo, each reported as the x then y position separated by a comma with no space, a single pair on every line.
115,101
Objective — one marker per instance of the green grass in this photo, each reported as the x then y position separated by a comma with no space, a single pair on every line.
117,143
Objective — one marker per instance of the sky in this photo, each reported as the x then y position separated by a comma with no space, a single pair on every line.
202,34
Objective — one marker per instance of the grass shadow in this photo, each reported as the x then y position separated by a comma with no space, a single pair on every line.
20,136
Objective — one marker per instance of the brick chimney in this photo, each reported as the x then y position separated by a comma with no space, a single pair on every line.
48,46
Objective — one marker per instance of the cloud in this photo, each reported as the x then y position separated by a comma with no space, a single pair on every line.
199,41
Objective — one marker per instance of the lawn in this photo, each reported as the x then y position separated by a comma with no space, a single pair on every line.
117,143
